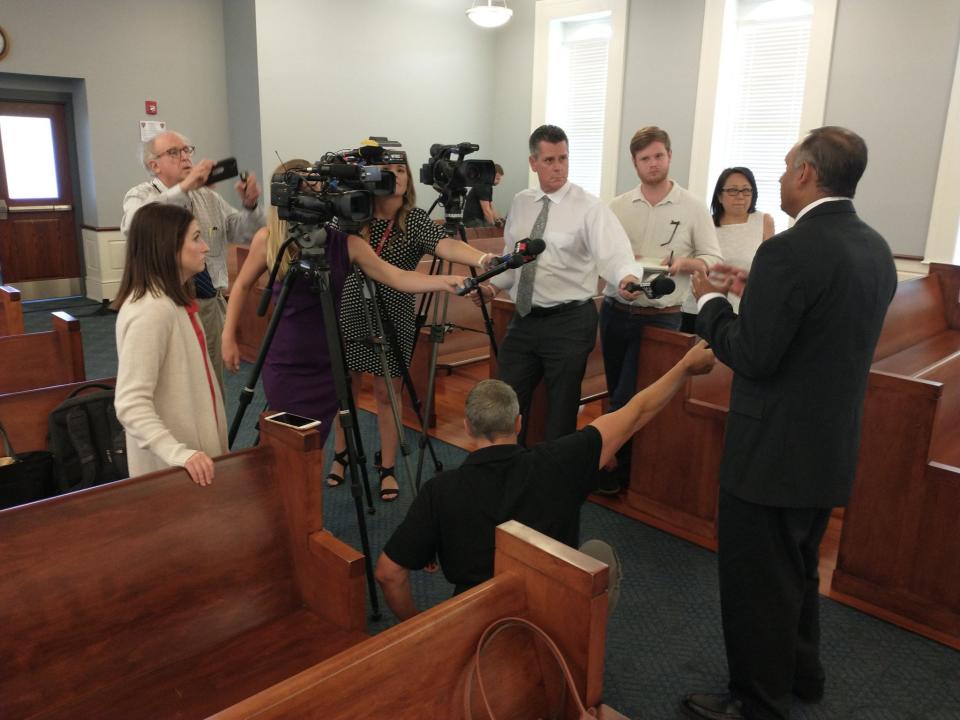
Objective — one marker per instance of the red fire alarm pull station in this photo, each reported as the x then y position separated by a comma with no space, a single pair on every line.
151,106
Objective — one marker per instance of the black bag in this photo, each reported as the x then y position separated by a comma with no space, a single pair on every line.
28,478
87,440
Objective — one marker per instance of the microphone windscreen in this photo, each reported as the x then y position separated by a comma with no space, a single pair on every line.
535,246
662,285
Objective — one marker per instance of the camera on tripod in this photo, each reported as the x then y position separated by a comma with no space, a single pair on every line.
450,174
340,185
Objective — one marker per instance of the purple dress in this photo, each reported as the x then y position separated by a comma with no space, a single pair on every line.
297,375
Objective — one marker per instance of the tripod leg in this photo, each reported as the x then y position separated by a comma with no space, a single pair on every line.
487,320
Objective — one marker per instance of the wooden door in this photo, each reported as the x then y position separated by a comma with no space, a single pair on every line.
38,232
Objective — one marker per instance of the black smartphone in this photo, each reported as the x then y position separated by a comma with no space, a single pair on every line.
295,421
223,170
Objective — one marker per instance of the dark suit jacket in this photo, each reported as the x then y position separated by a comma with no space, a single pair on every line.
801,350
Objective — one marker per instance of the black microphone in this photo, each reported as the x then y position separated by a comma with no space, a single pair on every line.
526,249
657,287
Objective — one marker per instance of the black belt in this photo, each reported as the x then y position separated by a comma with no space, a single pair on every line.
554,309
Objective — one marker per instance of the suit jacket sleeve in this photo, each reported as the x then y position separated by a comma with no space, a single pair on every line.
753,343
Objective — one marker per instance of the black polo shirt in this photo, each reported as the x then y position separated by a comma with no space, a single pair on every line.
454,515
472,212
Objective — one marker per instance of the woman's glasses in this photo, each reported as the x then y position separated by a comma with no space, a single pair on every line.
733,192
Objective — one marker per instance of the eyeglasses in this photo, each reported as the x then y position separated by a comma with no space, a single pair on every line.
176,152
733,192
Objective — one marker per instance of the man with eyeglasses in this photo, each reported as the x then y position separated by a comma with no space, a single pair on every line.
667,225
168,157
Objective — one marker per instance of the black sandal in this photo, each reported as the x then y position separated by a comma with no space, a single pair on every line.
388,494
342,457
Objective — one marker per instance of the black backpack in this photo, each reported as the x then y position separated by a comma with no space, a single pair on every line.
87,440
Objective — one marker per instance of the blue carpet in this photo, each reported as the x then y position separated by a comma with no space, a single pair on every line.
664,639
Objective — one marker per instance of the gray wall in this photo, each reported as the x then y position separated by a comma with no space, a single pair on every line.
243,86
660,80
122,52
333,73
898,102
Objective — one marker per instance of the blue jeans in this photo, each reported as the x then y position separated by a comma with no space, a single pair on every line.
620,335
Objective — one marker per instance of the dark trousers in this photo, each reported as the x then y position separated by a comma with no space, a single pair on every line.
769,601
553,348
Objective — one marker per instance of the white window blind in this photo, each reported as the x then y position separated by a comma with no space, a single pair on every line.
762,109
577,93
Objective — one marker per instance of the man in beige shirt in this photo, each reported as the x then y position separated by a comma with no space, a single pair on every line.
666,225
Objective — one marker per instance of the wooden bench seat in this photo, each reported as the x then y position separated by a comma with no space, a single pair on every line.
32,360
11,311
155,597
415,669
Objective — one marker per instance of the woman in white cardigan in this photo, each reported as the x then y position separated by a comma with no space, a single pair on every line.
167,397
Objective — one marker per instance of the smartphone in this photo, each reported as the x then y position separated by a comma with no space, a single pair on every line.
295,421
223,170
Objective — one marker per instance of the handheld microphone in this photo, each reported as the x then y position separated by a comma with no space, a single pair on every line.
655,288
526,249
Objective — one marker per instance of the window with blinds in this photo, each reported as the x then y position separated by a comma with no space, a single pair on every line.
577,92
761,101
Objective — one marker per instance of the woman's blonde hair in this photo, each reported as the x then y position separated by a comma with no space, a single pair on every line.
277,228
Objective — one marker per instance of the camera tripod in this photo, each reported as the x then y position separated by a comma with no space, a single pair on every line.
312,266
452,203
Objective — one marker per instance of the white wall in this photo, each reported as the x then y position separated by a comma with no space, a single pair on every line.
116,54
334,73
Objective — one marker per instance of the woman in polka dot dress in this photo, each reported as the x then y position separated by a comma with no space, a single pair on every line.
401,234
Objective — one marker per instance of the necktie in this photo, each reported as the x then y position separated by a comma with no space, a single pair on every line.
529,271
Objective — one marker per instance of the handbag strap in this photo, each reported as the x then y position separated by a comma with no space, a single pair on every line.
491,632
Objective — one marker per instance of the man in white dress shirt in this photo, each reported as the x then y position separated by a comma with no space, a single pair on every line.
555,325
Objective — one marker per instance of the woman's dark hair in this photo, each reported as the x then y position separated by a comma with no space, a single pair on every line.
716,208
156,235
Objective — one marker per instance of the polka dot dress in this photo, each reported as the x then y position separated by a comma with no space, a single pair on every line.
404,251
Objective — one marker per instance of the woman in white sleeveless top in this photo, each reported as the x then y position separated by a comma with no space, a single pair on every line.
740,228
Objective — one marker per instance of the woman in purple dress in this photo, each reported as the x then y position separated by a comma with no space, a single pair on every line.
297,374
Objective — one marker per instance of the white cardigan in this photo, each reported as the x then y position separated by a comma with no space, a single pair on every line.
163,395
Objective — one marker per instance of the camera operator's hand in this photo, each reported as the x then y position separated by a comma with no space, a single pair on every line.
249,191
488,290
197,177
448,283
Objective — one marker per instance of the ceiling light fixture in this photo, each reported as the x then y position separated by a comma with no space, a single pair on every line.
488,14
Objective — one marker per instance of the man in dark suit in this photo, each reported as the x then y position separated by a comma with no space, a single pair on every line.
801,350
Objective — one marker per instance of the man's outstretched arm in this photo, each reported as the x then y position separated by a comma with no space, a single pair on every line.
618,427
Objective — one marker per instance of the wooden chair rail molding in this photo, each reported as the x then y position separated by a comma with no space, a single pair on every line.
32,360
416,668
153,595
11,311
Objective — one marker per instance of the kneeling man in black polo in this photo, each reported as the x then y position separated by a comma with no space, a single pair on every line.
454,516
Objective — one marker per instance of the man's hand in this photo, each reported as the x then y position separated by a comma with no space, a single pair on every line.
701,286
687,265
699,359
249,191
628,294
735,276
197,177
489,293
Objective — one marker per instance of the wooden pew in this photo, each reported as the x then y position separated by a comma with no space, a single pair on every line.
467,341
33,360
155,597
593,387
899,554
415,669
25,414
11,311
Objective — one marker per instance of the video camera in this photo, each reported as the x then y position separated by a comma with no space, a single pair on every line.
450,174
341,184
